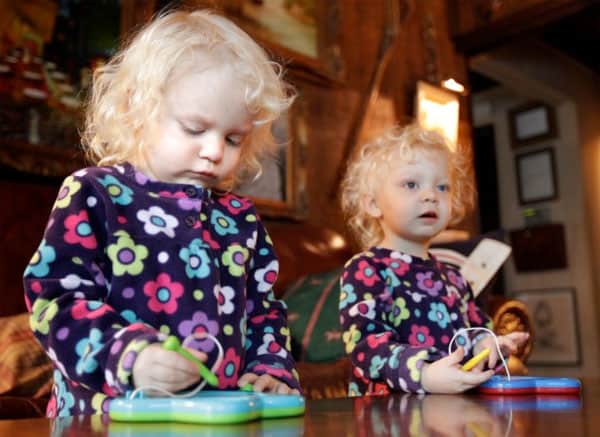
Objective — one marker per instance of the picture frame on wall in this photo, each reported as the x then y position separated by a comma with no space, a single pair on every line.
279,191
536,176
555,324
530,123
539,248
302,34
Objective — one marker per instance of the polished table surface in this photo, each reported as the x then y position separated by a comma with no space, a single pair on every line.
400,414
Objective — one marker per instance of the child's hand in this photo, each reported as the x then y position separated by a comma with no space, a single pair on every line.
446,376
509,344
167,370
266,383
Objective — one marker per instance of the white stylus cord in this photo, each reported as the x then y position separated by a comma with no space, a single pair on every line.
200,386
460,331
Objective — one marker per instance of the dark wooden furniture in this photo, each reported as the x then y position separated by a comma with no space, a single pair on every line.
466,414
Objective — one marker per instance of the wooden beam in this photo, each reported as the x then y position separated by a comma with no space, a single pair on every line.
524,21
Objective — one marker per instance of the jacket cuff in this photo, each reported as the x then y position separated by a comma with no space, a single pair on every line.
127,346
281,371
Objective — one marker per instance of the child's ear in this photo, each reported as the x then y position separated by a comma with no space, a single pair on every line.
371,207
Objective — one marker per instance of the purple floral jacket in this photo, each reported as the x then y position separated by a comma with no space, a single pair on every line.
398,311
126,260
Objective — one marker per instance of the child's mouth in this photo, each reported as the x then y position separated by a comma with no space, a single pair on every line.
428,215
206,175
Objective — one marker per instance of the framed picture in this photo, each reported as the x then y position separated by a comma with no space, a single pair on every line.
530,123
280,190
555,326
536,176
539,248
302,34
438,109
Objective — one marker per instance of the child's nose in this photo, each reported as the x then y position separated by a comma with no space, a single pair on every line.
429,195
212,148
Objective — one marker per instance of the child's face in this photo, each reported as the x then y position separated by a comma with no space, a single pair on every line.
203,125
413,202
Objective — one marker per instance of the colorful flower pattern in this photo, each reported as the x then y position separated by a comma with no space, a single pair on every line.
235,204
118,192
126,260
163,294
234,258
228,371
398,312
196,258
79,231
69,188
39,265
156,220
126,256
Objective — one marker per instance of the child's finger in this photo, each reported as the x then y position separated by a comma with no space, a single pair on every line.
523,338
166,378
479,366
519,335
509,345
517,338
156,357
473,379
175,362
493,358
247,378
198,354
261,384
283,389
509,348
456,356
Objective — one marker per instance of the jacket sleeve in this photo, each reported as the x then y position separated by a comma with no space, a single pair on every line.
376,350
67,283
268,344
476,317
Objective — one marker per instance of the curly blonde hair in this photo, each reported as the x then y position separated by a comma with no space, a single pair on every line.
128,91
372,163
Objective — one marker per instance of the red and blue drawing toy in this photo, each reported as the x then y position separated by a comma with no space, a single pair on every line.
530,385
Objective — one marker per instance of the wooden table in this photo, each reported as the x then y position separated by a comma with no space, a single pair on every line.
399,414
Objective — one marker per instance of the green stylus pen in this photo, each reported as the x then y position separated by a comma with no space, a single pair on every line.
172,344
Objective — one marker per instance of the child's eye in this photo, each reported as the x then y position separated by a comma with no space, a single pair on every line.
443,188
193,131
411,185
234,140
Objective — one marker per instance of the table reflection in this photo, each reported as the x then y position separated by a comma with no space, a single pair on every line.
396,415
454,415
103,426
443,415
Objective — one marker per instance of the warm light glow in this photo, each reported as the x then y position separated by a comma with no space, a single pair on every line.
438,109
337,242
452,85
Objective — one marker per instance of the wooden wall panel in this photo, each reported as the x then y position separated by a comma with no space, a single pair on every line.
424,51
478,25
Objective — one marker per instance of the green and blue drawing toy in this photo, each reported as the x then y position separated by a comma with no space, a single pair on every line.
206,407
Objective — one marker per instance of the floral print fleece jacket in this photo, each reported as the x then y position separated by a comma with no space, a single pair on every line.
126,260
398,311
